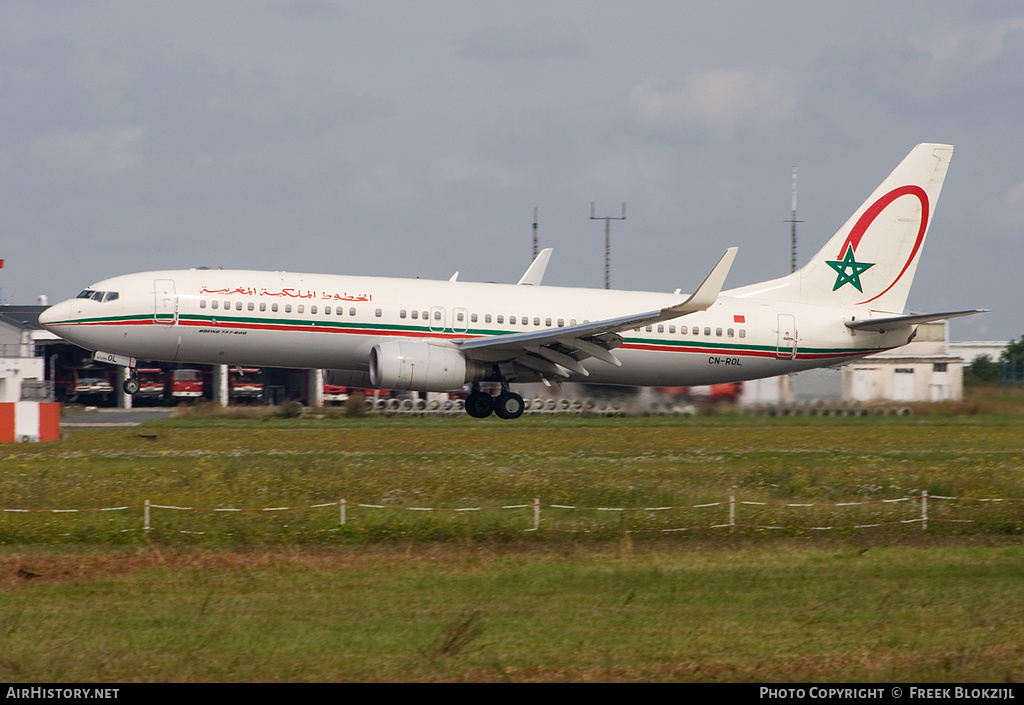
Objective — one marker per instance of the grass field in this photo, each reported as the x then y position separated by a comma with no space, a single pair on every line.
594,595
460,463
772,612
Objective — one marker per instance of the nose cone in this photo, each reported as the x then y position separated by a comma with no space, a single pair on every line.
55,315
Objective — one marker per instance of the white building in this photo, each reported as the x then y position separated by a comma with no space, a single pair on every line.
924,370
22,373
968,350
928,369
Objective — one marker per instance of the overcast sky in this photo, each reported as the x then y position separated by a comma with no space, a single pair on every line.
413,138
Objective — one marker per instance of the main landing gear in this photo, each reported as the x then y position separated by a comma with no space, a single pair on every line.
507,405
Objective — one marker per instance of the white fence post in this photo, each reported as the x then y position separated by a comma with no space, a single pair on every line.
732,520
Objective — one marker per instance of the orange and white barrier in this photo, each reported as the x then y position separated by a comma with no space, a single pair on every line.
29,421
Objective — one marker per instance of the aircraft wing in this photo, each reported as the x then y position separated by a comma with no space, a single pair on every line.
553,351
890,322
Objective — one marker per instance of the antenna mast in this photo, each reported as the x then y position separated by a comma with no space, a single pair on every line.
793,221
534,233
607,241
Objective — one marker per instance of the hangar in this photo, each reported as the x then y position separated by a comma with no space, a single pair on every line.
36,365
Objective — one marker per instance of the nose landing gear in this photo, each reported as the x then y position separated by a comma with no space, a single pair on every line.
131,383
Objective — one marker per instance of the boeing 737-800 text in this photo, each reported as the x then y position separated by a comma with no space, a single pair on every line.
412,334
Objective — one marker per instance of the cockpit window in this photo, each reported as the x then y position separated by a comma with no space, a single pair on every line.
100,296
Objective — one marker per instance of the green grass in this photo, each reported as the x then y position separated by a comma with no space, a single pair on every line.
458,463
468,596
770,613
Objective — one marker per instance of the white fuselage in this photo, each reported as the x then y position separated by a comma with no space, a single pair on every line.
280,319
847,302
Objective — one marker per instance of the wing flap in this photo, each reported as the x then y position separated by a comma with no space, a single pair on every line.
593,350
562,360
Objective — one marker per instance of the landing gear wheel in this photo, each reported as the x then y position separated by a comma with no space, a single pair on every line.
509,405
479,405
130,385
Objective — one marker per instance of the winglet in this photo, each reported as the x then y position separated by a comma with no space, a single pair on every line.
535,273
709,289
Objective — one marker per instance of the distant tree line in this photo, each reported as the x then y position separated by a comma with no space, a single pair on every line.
1008,371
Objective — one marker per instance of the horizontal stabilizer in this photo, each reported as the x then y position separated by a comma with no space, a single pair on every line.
890,322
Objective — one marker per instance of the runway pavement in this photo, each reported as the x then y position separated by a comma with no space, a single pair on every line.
111,418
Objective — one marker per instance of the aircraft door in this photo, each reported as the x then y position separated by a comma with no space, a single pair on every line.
787,341
165,302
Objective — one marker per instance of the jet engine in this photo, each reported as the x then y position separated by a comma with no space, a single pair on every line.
421,367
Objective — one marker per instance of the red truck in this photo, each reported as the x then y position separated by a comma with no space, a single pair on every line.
86,385
186,385
334,394
725,392
152,384
245,385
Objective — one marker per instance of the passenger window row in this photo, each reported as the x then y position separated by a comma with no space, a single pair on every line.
729,332
274,307
436,315
460,317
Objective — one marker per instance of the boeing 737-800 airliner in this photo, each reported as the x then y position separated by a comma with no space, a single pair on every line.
412,334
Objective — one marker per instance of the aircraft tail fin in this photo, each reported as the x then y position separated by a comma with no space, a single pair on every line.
871,260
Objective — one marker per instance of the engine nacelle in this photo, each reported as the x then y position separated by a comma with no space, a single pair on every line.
421,367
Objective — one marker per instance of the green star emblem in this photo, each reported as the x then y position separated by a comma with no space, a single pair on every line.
849,263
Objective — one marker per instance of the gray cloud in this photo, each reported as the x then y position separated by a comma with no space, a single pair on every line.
410,139
544,37
716,100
